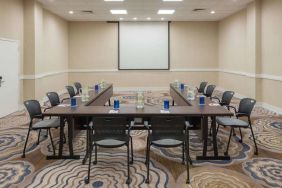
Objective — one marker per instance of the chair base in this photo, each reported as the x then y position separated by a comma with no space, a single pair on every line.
147,181
86,181
128,181
187,181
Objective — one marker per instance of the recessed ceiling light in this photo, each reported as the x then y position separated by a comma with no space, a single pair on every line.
71,12
119,11
120,18
162,18
212,12
113,0
166,11
148,18
134,18
173,0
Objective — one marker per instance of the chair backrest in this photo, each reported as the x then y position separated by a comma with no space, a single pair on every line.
113,127
210,90
53,98
202,87
34,109
70,91
77,86
246,106
227,97
167,127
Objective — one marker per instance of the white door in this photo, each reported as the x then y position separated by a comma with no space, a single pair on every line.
9,72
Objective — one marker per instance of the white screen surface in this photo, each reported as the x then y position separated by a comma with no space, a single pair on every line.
143,45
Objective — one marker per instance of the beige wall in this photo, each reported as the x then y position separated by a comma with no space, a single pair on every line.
51,41
232,43
93,46
271,51
43,39
246,42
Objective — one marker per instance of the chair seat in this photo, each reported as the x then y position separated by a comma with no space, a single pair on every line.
110,143
46,124
231,122
167,142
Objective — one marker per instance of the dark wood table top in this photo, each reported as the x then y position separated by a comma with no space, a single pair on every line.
131,111
93,95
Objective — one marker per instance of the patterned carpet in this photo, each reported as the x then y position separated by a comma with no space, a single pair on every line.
243,170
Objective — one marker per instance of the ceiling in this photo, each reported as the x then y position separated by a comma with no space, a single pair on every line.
142,9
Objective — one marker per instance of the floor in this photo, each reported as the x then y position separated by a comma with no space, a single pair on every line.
243,170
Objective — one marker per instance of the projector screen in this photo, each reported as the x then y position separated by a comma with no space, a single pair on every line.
144,45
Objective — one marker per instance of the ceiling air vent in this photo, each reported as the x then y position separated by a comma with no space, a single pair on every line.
86,12
198,9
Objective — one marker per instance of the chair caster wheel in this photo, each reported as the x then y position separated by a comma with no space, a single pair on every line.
94,162
256,153
187,181
147,181
225,153
240,141
86,181
128,181
23,156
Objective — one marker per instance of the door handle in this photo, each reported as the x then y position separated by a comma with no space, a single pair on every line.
1,81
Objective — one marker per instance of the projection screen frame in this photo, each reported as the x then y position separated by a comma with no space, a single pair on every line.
144,69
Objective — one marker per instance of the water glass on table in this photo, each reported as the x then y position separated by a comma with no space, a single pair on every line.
166,104
116,104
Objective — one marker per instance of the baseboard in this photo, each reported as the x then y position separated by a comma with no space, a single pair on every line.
270,107
259,104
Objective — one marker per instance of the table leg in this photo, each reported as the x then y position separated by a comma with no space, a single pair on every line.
205,128
204,123
61,144
70,135
213,125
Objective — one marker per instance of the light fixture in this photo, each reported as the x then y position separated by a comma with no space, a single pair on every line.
148,18
134,18
118,11
71,12
172,0
212,12
162,18
166,11
120,18
113,0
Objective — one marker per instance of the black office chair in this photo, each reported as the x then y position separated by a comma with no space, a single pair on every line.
78,86
209,90
168,132
70,91
54,98
34,110
110,133
245,109
202,87
224,101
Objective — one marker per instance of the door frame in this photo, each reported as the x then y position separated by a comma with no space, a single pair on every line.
20,89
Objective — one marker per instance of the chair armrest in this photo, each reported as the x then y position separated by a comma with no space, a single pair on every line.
64,99
216,99
232,107
45,109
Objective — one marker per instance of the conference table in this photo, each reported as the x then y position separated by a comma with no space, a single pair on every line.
95,108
